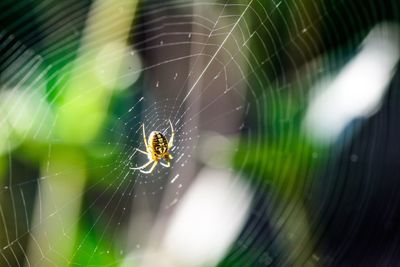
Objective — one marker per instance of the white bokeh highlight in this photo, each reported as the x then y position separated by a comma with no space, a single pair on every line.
208,219
358,90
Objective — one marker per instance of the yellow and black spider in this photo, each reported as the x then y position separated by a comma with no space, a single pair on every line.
157,148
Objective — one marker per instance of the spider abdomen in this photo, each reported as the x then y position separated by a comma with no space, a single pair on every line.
158,144
156,150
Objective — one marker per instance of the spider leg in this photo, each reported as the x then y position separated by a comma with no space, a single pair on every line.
165,165
171,140
144,137
151,169
143,166
141,151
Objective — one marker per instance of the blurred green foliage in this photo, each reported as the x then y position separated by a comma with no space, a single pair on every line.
92,248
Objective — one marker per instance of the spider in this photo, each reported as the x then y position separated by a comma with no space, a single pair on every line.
157,148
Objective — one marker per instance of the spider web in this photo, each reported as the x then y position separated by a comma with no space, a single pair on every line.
232,69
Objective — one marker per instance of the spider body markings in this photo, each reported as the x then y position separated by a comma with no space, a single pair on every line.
157,149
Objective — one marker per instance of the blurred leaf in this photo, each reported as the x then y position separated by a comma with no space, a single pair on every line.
91,250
